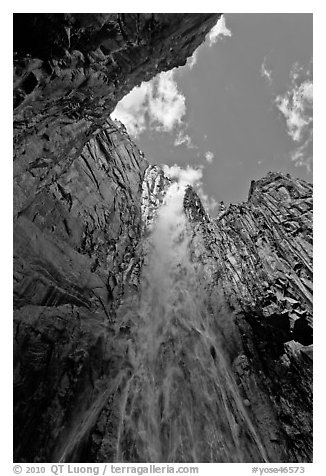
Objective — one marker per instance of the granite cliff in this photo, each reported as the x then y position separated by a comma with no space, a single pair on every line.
144,329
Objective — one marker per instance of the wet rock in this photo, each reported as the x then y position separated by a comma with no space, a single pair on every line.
259,262
86,201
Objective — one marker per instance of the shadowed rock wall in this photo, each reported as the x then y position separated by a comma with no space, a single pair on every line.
70,70
77,203
85,197
259,254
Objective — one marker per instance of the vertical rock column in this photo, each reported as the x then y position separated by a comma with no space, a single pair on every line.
259,256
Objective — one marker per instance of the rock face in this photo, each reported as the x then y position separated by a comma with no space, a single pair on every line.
140,321
70,70
260,254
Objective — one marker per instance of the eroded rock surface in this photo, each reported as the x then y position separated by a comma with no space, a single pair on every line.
260,254
70,70
86,202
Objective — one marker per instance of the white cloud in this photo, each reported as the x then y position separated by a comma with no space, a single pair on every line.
265,72
209,156
209,202
183,138
167,105
191,176
296,106
132,109
157,104
184,176
301,155
306,90
218,31
192,60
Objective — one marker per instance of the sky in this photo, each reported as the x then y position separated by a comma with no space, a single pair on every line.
282,40
240,107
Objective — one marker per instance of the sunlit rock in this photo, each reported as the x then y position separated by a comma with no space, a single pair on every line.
146,331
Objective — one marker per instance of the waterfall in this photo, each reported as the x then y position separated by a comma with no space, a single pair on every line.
178,401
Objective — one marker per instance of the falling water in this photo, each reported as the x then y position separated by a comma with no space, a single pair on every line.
180,402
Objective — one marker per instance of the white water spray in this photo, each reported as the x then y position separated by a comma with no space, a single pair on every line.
180,402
